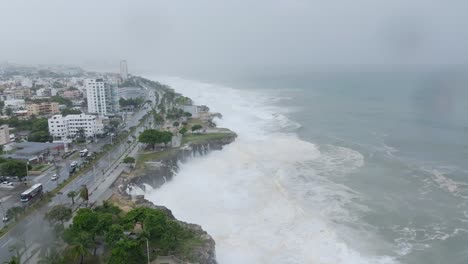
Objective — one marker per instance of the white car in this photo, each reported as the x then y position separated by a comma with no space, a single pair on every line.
5,219
7,183
54,177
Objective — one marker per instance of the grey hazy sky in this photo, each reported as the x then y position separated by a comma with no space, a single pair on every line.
181,36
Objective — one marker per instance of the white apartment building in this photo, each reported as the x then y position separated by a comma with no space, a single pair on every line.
102,97
66,127
15,104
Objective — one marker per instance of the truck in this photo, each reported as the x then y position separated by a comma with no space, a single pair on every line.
83,153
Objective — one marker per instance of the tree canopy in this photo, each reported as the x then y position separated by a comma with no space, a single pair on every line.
59,213
196,127
154,136
129,160
12,167
137,102
68,111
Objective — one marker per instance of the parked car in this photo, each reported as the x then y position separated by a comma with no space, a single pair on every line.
74,164
7,183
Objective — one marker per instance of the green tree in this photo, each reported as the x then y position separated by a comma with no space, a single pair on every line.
114,234
183,130
40,136
196,127
14,168
127,252
72,195
19,247
14,260
14,212
78,246
85,220
40,124
84,194
51,256
115,123
150,136
62,100
166,137
175,124
59,213
137,215
8,111
129,160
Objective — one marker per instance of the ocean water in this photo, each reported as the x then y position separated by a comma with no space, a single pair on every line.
335,168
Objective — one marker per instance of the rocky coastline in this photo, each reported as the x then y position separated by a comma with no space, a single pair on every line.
157,172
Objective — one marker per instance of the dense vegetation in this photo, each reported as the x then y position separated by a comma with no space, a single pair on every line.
135,103
11,167
68,111
38,127
56,98
105,234
153,137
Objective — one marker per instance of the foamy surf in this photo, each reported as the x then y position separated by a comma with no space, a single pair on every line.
267,197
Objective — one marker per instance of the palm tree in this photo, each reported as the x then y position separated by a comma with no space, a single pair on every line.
79,247
13,260
19,248
72,195
51,256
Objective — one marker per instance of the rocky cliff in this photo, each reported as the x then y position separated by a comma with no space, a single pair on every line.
157,172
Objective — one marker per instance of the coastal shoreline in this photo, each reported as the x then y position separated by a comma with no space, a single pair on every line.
156,167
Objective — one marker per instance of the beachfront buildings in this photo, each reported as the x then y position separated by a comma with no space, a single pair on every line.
102,97
71,126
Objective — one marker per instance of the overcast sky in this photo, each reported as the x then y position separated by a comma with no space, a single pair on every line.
182,36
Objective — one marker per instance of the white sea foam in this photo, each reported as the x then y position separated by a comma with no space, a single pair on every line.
267,197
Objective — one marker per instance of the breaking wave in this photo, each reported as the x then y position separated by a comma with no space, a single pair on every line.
269,197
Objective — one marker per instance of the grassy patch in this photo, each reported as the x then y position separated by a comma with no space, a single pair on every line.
194,121
154,156
39,168
188,246
202,138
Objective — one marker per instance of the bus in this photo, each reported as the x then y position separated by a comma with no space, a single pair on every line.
29,194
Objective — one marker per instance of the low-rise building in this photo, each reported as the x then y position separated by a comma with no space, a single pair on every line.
51,108
70,126
71,94
4,134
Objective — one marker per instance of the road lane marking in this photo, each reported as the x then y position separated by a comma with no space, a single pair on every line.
6,243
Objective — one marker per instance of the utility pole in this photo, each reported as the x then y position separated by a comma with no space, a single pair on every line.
147,250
